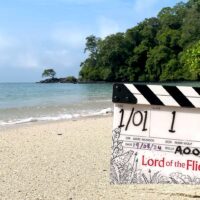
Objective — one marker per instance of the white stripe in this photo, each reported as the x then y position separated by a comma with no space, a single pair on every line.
188,91
132,89
195,101
163,95
158,90
168,101
140,98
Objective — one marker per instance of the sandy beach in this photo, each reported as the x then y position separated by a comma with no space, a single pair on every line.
68,160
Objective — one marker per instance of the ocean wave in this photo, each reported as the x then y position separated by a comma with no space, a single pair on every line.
105,111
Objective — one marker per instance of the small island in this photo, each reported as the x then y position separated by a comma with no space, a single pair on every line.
51,73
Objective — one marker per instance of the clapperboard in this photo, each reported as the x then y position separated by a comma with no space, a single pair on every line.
156,134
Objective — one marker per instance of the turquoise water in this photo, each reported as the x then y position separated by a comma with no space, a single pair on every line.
28,102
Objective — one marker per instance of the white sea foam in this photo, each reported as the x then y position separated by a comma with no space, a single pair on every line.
105,111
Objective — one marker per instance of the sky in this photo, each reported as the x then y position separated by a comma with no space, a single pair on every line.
40,34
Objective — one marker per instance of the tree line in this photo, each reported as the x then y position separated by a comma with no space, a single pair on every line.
162,48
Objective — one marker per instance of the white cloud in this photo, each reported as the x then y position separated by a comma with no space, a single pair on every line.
107,27
145,7
59,57
61,49
26,60
150,8
71,37
13,52
6,41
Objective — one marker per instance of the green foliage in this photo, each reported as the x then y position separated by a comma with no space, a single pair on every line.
160,48
49,73
156,63
191,23
191,61
71,79
92,44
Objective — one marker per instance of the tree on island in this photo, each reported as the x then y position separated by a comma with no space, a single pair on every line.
49,73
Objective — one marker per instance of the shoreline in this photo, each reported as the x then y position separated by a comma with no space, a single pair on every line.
35,123
56,117
181,82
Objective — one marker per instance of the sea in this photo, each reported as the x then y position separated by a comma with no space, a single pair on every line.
33,102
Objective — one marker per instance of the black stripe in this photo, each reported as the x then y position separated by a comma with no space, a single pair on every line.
121,94
197,89
180,98
149,95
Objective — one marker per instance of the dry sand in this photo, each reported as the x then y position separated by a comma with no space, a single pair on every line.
69,160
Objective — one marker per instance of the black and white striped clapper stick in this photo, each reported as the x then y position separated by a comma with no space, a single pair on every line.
162,95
